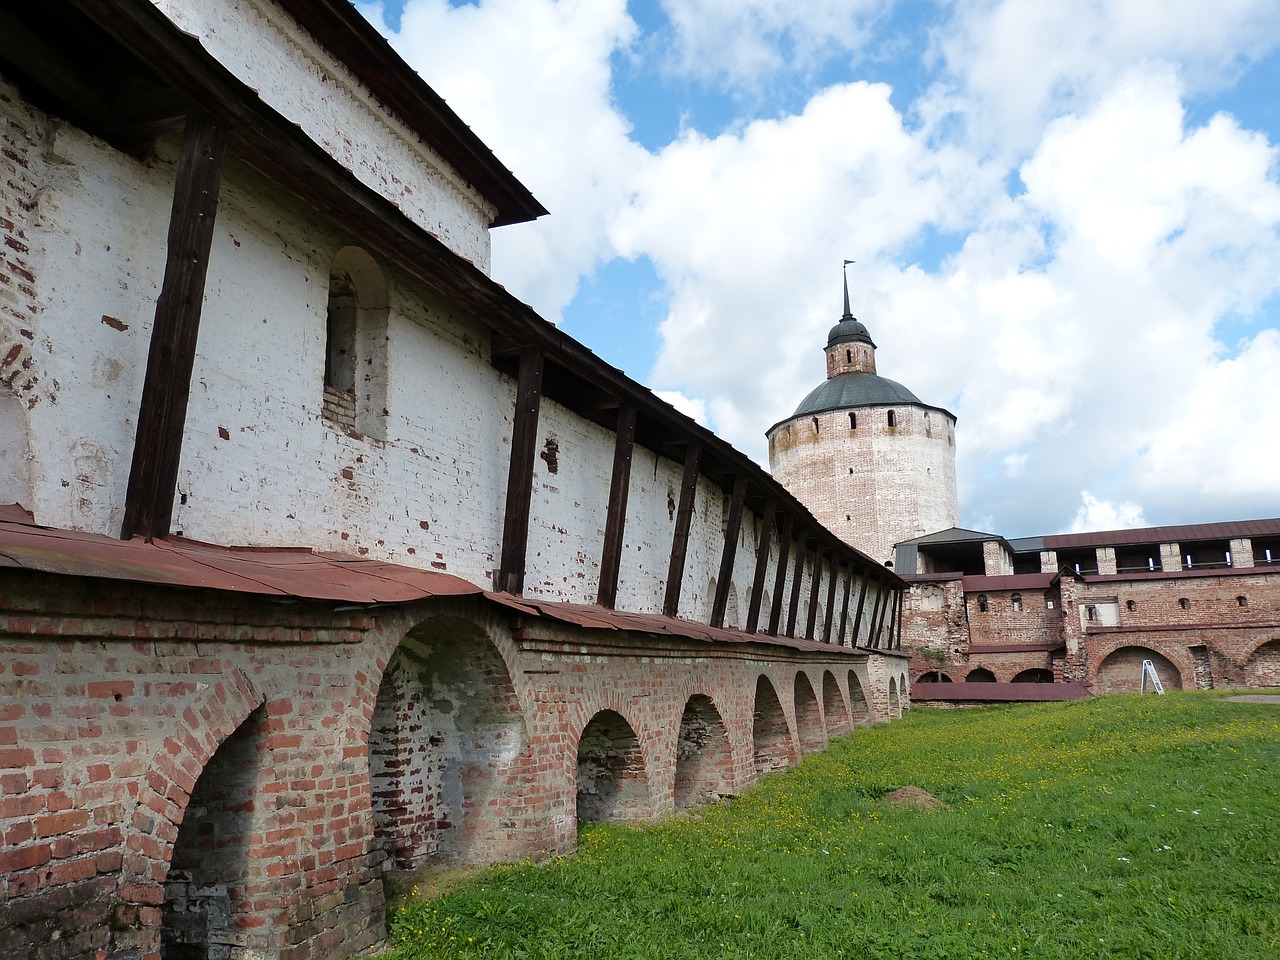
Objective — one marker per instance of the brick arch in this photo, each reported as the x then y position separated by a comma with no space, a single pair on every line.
834,708
1120,670
809,729
859,709
1262,669
773,747
612,781
447,732
895,705
704,768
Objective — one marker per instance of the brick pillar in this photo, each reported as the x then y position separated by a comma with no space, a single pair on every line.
1048,561
1170,557
996,561
1106,559
1074,666
1242,553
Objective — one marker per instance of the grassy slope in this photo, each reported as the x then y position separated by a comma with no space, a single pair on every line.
1117,827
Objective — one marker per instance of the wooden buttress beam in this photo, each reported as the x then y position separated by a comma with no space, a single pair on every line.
762,565
793,609
162,412
616,522
730,552
524,439
780,578
862,599
844,609
680,538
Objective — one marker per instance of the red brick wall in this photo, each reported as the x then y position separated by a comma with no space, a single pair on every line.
137,719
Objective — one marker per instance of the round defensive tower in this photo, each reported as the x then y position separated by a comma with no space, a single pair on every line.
872,462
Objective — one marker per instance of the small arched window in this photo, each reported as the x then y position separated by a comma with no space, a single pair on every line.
853,421
848,356
1015,601
1184,603
1242,601
928,427
893,419
1091,612
1130,605
982,603
815,425
355,361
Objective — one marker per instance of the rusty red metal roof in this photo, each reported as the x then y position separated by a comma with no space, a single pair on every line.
1187,532
1048,647
305,574
998,692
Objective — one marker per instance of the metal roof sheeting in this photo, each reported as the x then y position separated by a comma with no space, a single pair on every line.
1187,532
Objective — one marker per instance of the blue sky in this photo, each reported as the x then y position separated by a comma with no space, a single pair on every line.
1066,218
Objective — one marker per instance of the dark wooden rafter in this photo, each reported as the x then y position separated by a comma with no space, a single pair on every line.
616,521
831,598
524,440
797,579
780,578
762,564
844,610
877,614
896,638
162,412
730,552
815,592
680,537
862,599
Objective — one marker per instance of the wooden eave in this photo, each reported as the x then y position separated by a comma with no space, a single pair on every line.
183,72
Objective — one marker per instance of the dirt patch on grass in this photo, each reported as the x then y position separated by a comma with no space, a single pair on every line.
426,883
1273,698
913,797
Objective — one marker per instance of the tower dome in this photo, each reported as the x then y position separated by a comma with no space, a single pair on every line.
864,454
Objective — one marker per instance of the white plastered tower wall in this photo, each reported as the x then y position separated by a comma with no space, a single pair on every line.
870,461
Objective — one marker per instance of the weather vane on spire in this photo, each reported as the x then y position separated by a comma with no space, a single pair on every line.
848,314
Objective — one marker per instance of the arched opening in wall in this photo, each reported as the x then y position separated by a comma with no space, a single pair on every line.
980,675
732,618
709,601
928,427
853,425
612,782
355,367
1034,675
1121,671
816,428
15,465
848,356
205,893
808,716
895,705
903,688
982,603
1015,602
892,419
858,710
1262,669
833,707
704,764
1184,603
447,728
771,745
1242,601
766,608
934,676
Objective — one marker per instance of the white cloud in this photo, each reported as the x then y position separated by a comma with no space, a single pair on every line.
1095,514
691,407
532,77
742,43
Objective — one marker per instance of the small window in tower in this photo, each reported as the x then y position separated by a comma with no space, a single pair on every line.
1242,601
853,421
815,425
1091,612
928,427
1016,601
1184,603
848,356
1130,605
892,418
982,603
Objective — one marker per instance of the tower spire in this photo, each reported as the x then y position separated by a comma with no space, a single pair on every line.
848,314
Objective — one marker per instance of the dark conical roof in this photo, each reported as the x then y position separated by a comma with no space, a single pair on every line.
849,390
848,330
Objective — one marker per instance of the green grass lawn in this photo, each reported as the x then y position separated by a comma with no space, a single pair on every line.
1118,827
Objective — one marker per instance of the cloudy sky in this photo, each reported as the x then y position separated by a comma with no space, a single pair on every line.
1066,217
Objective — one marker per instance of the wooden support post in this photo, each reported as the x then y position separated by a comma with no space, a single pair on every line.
857,617
680,538
815,590
730,552
897,642
762,565
616,522
780,578
524,438
872,639
844,607
831,597
797,578
162,412
877,616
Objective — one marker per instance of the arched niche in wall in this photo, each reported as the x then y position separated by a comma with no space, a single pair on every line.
704,762
355,369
